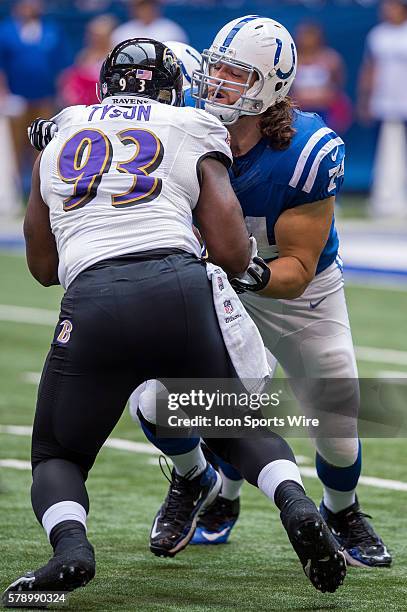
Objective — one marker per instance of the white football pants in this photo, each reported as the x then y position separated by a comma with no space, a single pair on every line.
310,337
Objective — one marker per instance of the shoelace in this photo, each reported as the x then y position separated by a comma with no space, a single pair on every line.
359,530
180,494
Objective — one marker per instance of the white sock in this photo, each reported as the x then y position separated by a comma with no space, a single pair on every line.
276,472
187,461
336,501
63,511
230,488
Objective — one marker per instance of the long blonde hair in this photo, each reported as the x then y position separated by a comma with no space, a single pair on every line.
276,124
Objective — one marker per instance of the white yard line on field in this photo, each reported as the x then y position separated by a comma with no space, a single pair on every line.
39,316
132,447
369,481
378,355
396,374
15,464
148,449
117,443
32,377
16,430
21,314
379,283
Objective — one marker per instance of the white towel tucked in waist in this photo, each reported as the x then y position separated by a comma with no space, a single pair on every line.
240,334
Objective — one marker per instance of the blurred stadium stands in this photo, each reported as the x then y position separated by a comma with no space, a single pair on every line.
345,23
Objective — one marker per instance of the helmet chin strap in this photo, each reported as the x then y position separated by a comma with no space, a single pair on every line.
227,116
97,88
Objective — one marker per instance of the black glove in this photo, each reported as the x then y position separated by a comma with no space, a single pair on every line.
255,278
257,275
41,132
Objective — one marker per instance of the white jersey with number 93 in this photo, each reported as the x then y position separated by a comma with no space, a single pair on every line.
122,177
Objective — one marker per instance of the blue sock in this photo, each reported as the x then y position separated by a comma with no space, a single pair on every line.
228,470
339,482
168,446
219,463
339,478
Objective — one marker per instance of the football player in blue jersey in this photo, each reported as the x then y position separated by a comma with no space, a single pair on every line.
288,167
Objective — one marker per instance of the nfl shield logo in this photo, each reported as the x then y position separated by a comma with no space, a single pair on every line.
220,283
227,305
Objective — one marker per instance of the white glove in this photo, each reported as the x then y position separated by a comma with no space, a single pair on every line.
41,132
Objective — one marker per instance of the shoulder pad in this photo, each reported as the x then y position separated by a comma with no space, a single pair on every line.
66,115
201,122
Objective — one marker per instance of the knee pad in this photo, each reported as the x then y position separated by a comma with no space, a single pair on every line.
338,452
144,399
134,401
328,356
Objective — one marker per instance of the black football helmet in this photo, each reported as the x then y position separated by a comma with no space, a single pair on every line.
142,67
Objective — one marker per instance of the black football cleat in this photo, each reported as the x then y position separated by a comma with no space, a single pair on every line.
217,521
64,572
322,559
362,546
175,522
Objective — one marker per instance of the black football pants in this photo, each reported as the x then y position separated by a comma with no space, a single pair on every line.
122,322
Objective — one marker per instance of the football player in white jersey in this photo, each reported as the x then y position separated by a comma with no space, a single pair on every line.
110,218
287,169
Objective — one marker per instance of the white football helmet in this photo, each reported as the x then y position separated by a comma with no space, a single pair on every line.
189,59
261,47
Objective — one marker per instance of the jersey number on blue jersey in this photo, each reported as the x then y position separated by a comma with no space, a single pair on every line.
87,155
335,173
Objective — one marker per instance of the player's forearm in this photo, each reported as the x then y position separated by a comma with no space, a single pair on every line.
41,253
45,271
42,261
289,279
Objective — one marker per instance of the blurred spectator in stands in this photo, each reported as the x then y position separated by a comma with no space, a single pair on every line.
383,100
319,84
32,53
77,84
91,6
147,21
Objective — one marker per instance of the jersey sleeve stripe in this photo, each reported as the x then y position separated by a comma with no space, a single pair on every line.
327,148
305,153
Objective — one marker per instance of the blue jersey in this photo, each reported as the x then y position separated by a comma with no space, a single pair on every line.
188,99
268,182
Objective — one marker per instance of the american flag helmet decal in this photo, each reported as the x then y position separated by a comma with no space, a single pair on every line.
147,75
